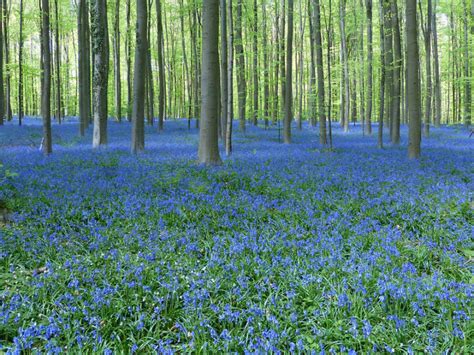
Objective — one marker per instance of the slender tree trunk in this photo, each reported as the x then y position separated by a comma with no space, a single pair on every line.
255,63
413,81
230,82
100,52
388,47
2,97
161,67
57,63
223,74
6,43
138,111
342,14
289,77
208,134
149,73
312,75
397,64
382,76
240,59
186,66
266,89
117,79
20,68
370,51
319,66
437,80
427,31
467,69
129,62
329,47
46,79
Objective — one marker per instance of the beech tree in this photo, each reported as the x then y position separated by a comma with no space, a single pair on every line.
208,135
46,78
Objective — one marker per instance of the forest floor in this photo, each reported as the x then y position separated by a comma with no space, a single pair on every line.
283,248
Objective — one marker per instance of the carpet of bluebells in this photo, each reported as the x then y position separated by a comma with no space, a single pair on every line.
284,248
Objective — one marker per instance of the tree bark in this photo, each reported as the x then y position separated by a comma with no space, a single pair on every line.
370,51
289,78
230,82
255,64
117,79
100,53
437,80
20,68
382,77
5,22
161,67
224,74
344,55
46,79
413,81
138,110
467,69
312,70
2,98
208,135
57,63
319,66
266,83
388,64
427,32
240,59
129,62
397,64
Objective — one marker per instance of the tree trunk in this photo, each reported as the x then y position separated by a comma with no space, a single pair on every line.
255,64
2,98
388,64
368,121
224,74
467,68
161,67
312,70
46,79
437,80
266,89
100,53
117,79
138,111
329,47
429,86
382,76
5,23
208,134
58,63
289,77
397,64
413,81
344,55
20,68
129,62
240,59
230,82
319,66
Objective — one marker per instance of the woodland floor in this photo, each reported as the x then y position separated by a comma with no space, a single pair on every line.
283,248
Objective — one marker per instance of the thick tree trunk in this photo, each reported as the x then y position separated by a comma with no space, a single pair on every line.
230,82
319,66
289,77
413,81
397,65
240,59
100,53
329,47
46,79
161,67
208,134
138,110
117,79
